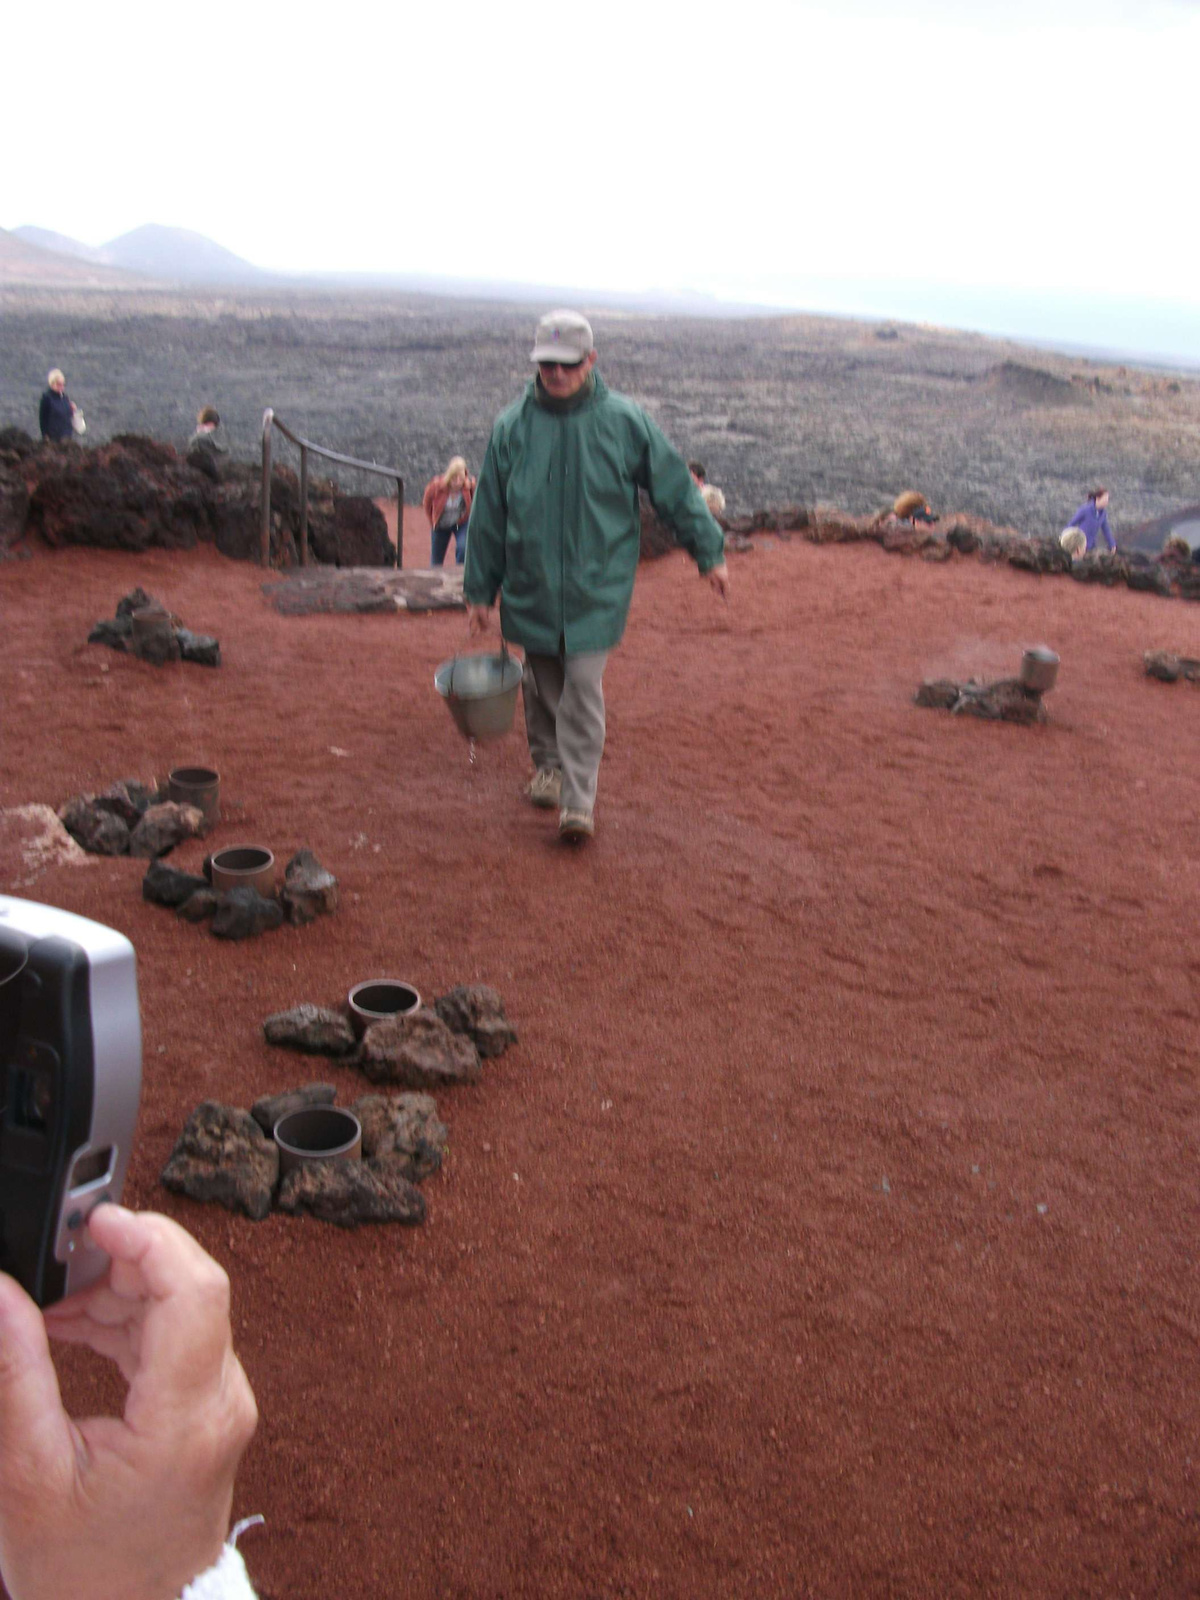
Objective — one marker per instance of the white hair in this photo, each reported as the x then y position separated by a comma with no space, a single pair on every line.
1073,541
54,376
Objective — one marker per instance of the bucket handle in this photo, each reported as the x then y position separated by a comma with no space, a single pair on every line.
457,658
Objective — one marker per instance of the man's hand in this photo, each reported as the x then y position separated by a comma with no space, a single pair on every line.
478,620
129,1508
719,578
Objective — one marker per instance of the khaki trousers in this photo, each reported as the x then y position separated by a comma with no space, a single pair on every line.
564,720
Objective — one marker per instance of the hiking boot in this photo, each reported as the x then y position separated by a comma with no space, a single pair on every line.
545,788
575,825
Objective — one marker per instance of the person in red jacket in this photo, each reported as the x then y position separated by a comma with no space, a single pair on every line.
447,503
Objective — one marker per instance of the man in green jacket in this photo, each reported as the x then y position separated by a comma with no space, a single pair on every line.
556,533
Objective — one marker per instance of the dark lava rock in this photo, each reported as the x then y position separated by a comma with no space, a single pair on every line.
222,1155
137,600
308,889
200,906
937,550
995,546
1105,569
167,886
358,536
311,1028
243,913
158,648
938,693
1039,555
14,505
962,538
164,826
94,827
833,527
418,1052
1163,665
128,800
267,1111
405,1127
1006,700
135,493
351,1192
1151,579
115,632
478,1011
199,648
906,538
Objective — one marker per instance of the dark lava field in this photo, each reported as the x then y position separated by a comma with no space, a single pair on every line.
793,409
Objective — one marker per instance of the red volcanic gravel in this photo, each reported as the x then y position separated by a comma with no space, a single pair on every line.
832,1229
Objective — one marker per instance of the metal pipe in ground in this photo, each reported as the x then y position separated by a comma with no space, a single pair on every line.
303,505
399,522
265,549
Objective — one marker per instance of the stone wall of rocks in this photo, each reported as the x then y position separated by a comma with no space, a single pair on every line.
1172,573
134,493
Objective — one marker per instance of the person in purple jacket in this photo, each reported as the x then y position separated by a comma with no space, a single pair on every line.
1092,518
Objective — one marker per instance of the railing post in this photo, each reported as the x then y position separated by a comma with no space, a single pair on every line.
303,505
399,522
265,552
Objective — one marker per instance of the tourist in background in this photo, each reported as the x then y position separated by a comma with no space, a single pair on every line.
1092,519
205,451
56,414
205,436
1074,542
447,503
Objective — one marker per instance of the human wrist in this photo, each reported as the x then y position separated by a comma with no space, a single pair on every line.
226,1579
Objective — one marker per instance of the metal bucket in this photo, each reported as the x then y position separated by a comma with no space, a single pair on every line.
380,999
317,1133
244,865
151,622
1039,669
481,692
199,787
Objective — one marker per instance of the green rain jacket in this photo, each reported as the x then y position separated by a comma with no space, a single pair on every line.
555,527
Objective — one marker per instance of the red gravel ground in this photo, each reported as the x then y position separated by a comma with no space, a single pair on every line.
832,1229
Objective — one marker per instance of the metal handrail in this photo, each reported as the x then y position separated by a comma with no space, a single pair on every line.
270,420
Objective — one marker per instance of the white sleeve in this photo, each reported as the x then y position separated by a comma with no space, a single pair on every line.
228,1580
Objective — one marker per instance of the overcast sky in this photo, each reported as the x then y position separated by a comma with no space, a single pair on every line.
1045,149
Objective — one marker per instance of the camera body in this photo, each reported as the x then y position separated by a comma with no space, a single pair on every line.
70,1078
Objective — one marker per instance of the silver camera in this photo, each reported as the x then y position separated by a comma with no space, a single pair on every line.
71,1077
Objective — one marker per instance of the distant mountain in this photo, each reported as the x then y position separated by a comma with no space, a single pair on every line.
25,263
47,239
180,256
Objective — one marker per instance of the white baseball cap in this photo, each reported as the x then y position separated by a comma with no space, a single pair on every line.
563,336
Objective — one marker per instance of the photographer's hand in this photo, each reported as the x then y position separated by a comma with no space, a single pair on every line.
130,1508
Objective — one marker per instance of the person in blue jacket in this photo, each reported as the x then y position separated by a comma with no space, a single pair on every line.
1092,518
56,412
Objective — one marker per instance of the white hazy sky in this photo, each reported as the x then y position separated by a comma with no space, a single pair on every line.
1043,148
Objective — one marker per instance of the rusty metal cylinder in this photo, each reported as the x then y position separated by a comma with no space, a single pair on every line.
317,1133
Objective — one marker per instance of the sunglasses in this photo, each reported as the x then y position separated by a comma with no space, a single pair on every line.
559,366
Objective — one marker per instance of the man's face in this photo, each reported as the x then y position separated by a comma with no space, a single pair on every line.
59,385
561,382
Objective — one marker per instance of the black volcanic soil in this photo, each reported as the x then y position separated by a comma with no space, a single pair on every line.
832,1229
781,410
